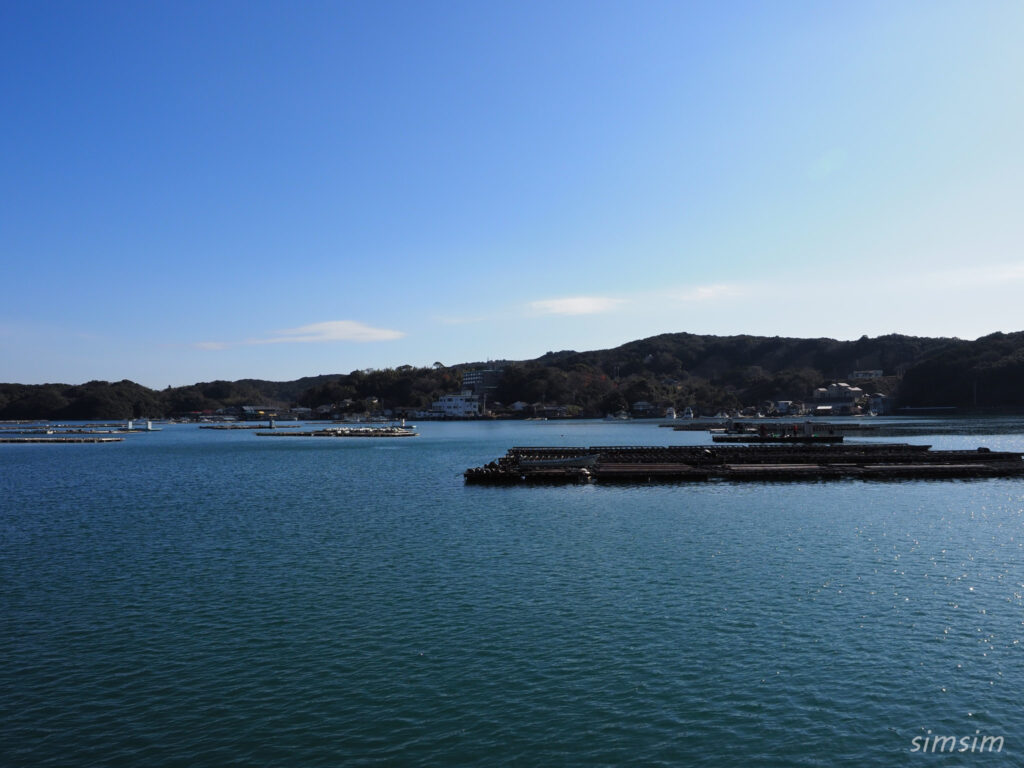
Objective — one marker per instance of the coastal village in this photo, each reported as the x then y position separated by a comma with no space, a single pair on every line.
475,400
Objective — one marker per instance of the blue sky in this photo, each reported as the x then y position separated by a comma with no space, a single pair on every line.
218,190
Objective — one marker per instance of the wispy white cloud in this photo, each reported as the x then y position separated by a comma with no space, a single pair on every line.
575,305
333,330
315,333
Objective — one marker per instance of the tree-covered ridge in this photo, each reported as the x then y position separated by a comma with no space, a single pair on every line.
708,373
988,372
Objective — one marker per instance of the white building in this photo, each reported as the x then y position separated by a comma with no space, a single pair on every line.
840,392
462,405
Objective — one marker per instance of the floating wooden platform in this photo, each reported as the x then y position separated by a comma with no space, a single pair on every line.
346,432
248,426
755,438
634,464
692,425
82,439
755,426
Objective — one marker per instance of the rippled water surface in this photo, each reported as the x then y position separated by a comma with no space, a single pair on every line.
211,598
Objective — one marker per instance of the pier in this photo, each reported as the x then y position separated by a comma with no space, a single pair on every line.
642,464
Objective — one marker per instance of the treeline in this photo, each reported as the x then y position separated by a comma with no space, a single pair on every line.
712,373
988,372
94,400
707,373
404,386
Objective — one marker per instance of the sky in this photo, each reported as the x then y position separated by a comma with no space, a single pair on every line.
194,191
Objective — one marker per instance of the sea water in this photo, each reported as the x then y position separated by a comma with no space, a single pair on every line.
203,598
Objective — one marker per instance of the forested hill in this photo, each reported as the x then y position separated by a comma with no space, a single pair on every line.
679,369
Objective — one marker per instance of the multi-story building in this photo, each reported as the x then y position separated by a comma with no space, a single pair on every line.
840,392
481,383
461,406
479,380
838,399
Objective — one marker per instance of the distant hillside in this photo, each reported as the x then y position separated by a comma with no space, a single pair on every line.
988,372
707,373
710,373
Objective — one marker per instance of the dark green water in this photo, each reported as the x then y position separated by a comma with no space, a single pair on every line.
201,598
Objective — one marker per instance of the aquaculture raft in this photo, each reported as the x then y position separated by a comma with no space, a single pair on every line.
248,426
762,462
783,438
61,439
346,432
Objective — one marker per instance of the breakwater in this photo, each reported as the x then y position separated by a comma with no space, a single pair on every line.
762,462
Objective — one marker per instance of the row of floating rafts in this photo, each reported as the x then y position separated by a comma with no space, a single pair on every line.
375,431
640,463
68,430
384,431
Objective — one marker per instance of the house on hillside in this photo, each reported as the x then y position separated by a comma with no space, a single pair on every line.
839,398
257,412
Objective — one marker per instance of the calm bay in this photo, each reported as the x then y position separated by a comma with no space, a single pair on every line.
207,598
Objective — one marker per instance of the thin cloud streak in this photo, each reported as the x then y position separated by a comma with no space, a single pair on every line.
334,330
575,305
315,333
